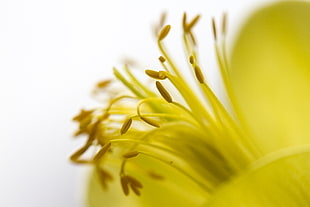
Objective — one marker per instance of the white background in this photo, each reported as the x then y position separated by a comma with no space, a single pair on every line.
51,55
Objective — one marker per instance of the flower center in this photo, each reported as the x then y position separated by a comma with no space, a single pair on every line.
196,136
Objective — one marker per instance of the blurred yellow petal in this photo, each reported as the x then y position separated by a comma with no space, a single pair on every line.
164,188
281,179
113,196
270,74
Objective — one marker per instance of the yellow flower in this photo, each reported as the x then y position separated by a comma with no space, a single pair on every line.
177,144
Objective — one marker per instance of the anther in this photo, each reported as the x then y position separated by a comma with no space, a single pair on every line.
135,189
155,175
184,21
162,75
155,74
162,59
134,181
101,152
224,24
126,125
164,93
164,32
75,157
83,114
130,154
199,74
214,29
163,18
104,177
103,84
192,23
191,60
124,183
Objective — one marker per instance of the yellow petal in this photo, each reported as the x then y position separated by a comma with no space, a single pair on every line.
281,181
162,186
270,75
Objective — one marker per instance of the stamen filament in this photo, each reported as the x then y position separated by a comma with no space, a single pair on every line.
138,83
129,85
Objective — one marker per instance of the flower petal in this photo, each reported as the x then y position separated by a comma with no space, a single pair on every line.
270,75
162,186
284,181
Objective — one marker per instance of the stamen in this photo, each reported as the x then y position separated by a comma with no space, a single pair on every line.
129,85
184,21
83,114
162,59
104,177
131,154
224,24
135,189
103,84
199,74
164,32
192,23
155,175
162,75
136,82
75,156
214,29
126,125
134,181
155,74
191,60
124,183
162,20
101,152
163,92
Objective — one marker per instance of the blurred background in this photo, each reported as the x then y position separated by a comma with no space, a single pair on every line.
51,55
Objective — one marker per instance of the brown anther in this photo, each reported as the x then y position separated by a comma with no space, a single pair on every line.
75,156
126,125
83,114
155,74
162,75
124,183
164,32
102,151
130,154
214,29
164,93
162,59
191,59
199,74
103,84
192,23
135,189
134,181
152,73
104,177
155,176
224,24
184,21
163,18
